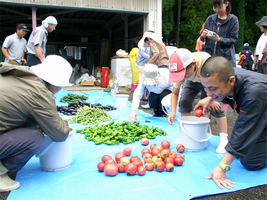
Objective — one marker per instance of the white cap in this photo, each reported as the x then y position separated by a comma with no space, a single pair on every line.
54,70
151,75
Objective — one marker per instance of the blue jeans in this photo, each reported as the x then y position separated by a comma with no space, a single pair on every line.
17,146
32,60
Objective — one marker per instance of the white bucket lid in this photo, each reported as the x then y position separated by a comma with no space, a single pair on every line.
193,120
121,95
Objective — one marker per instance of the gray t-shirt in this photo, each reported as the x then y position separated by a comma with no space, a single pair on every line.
38,36
15,46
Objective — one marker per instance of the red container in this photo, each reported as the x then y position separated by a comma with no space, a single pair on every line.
104,77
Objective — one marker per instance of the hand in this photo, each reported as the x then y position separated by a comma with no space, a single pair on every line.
214,37
63,117
171,118
204,103
219,177
23,61
204,33
133,115
215,106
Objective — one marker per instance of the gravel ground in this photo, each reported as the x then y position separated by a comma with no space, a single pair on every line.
255,193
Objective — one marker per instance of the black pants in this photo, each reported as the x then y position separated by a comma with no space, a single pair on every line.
155,99
17,146
257,158
246,65
32,60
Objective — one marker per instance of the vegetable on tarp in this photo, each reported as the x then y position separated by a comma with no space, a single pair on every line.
125,132
73,98
89,115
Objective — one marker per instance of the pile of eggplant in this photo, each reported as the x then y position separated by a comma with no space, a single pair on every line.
72,108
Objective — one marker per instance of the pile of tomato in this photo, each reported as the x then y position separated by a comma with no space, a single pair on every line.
158,157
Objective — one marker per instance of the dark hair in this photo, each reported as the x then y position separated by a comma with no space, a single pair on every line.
216,3
246,48
189,66
218,65
135,43
150,32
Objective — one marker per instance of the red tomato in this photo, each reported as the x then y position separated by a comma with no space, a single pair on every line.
178,161
131,169
111,169
180,148
168,160
101,166
165,144
110,161
106,157
125,160
141,170
138,163
118,156
145,150
149,166
152,146
169,167
127,151
173,154
199,111
179,155
159,166
155,152
148,160
164,153
147,155
121,167
158,147
144,141
133,158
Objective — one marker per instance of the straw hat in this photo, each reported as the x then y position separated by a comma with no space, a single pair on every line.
151,75
54,70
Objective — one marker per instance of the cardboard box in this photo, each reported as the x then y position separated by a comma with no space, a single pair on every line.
97,82
89,82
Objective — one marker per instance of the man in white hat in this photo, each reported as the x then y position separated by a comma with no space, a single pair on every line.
27,101
185,67
14,46
260,62
36,47
156,81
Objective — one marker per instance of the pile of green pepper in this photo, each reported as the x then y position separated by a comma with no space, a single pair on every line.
125,132
89,115
73,98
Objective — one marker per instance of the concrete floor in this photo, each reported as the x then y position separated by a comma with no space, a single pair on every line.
256,193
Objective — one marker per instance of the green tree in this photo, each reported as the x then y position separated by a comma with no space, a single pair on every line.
168,9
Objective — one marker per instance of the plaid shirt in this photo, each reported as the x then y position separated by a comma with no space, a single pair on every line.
228,32
158,54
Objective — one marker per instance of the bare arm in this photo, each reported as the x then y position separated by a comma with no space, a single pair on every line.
38,51
5,53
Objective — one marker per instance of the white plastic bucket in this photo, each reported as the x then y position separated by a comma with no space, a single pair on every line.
121,100
193,132
56,156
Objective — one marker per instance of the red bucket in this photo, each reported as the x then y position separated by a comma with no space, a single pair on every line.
104,77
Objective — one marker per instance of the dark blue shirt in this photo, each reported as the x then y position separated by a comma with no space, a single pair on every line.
250,101
248,54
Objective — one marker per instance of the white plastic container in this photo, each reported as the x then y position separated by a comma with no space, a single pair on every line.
121,100
56,156
193,132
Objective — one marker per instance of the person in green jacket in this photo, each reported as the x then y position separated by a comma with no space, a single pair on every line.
27,108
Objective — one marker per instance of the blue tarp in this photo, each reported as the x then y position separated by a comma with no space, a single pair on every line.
83,181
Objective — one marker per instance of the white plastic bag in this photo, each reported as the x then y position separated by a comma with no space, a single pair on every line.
115,88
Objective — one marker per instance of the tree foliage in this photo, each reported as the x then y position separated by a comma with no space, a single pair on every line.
195,12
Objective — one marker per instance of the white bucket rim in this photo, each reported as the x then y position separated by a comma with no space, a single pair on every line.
199,120
121,95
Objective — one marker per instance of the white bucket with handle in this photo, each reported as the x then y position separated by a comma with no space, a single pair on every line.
121,100
193,132
56,156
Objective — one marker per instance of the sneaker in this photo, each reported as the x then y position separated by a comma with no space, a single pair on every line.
145,106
